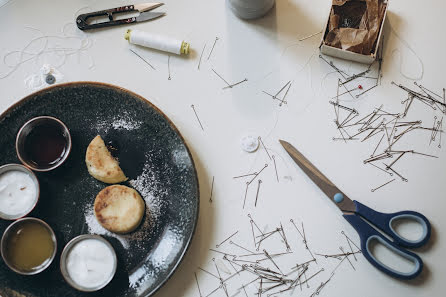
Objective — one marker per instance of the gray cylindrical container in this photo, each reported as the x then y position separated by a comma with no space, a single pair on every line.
250,9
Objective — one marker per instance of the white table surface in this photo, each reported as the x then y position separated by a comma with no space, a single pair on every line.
268,53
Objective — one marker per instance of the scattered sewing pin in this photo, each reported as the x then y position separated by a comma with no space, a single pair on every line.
348,242
193,107
342,250
245,175
212,189
168,67
284,96
235,84
221,77
255,176
246,194
196,279
275,167
257,194
201,56
264,147
145,61
230,236
210,273
216,39
309,36
379,187
239,246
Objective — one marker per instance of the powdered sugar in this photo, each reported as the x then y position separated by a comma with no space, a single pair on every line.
122,122
95,228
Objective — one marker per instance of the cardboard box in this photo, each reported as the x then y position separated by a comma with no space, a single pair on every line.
348,55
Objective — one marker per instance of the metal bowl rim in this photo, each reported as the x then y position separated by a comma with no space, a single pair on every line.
64,255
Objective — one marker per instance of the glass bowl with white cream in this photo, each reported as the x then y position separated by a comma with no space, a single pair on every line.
19,191
88,262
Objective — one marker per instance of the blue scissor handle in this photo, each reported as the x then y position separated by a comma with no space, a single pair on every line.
367,234
384,222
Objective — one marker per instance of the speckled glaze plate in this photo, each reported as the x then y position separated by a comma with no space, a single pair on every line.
153,155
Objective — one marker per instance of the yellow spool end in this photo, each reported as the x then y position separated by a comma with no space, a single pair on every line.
185,46
127,35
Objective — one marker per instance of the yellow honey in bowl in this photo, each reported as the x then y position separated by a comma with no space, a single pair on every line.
29,246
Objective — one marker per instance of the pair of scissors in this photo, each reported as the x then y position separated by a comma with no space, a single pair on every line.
355,213
84,21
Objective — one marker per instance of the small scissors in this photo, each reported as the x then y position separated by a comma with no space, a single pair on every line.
83,21
355,213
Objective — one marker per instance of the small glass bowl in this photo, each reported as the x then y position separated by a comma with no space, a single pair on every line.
24,132
12,167
4,246
64,257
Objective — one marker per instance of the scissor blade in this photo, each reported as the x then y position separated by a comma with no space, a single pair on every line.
146,16
346,205
147,6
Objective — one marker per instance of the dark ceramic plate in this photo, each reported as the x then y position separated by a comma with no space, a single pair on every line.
153,155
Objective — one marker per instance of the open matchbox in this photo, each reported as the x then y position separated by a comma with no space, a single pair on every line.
352,56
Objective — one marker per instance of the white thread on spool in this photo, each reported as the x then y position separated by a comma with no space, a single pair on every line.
156,41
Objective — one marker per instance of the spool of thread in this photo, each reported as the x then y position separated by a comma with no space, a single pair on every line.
250,9
157,41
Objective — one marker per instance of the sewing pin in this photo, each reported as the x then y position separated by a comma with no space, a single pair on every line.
342,250
218,271
402,177
351,249
252,229
168,66
309,36
244,291
216,38
288,248
215,290
196,279
266,165
221,78
348,91
360,94
284,96
250,217
246,193
235,84
257,195
233,234
142,59
193,107
232,265
389,173
271,259
237,245
264,147
377,146
433,129
210,273
212,189
201,56
343,107
245,175
348,238
333,66
223,253
280,91
275,167
373,190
